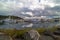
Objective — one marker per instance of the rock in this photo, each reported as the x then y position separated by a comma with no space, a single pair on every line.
58,28
48,33
51,34
57,32
4,36
16,37
32,35
44,37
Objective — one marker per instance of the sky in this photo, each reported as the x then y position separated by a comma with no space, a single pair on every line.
29,7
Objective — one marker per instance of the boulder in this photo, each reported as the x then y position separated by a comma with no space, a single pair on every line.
32,35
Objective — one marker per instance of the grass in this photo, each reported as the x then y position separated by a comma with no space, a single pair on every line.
12,32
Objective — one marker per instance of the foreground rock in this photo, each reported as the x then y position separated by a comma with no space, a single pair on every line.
4,36
57,32
32,35
52,35
44,37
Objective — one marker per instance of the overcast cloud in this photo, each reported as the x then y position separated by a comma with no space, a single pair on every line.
37,7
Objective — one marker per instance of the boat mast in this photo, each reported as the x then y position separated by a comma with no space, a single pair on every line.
39,1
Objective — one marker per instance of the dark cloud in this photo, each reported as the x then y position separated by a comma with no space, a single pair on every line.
56,8
57,1
37,12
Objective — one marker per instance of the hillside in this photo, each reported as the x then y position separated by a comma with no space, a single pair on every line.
12,17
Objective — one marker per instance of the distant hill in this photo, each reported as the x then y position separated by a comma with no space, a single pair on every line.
12,17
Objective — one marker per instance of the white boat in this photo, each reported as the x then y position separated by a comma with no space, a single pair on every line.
27,25
9,20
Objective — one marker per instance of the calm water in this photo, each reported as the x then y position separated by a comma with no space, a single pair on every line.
25,24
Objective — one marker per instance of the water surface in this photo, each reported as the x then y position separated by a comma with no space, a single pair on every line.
26,24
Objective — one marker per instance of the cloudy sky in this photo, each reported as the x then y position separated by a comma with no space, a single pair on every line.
30,7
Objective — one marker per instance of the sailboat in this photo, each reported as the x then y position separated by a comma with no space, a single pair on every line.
39,0
9,20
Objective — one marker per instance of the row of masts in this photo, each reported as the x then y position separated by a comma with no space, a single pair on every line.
15,0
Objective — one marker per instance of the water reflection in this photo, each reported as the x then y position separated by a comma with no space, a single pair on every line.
26,24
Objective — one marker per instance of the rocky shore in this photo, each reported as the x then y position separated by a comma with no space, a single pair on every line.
47,35
33,35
